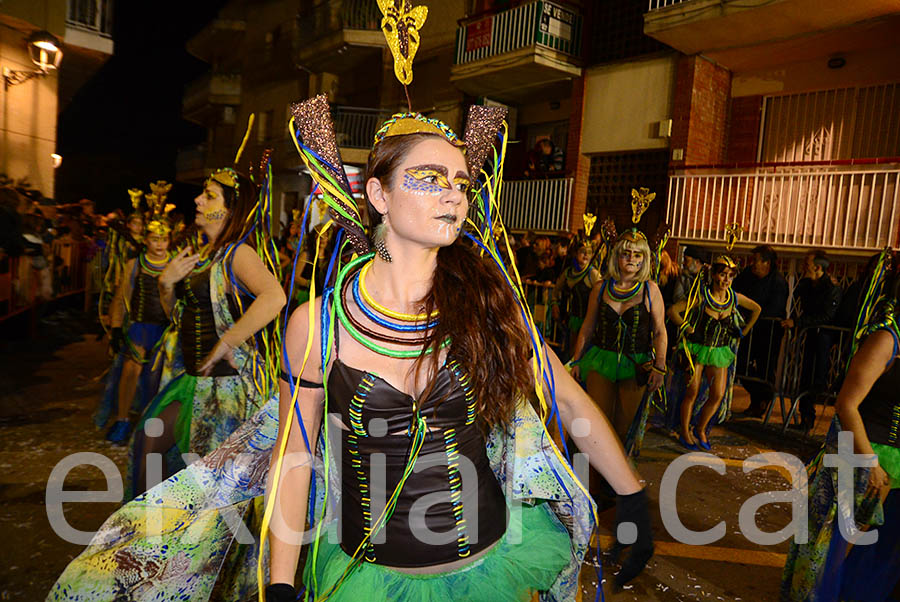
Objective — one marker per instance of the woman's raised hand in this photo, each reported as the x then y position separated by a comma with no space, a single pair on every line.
178,267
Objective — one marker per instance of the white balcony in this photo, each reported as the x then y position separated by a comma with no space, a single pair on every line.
89,25
760,33
537,204
843,206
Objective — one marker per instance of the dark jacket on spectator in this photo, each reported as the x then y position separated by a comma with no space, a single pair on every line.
771,292
819,301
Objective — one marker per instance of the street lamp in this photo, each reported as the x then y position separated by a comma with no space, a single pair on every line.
45,52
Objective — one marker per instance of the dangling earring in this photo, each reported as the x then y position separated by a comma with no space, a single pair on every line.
379,243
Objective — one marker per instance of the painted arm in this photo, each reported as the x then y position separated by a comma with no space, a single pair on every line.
175,271
270,298
660,336
866,367
292,496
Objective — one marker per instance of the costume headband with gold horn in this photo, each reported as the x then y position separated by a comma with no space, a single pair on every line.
725,260
589,220
157,222
640,201
401,24
136,195
227,176
732,233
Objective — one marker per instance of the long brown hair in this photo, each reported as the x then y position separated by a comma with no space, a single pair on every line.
240,203
478,311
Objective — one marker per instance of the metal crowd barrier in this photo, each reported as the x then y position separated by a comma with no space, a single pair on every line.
28,281
793,386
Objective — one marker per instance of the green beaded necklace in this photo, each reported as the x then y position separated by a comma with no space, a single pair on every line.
341,312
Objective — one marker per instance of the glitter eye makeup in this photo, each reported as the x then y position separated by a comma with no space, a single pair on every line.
426,180
462,184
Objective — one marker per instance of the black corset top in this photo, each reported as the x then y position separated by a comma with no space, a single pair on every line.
450,506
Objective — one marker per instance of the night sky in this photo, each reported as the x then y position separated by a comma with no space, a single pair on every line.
124,127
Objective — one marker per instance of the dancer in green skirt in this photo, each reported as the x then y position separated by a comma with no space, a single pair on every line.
711,325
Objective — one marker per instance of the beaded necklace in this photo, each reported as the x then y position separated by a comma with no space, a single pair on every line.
350,325
154,269
573,277
380,320
622,296
384,310
715,305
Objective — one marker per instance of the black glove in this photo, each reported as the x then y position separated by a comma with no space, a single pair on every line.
116,340
281,592
633,508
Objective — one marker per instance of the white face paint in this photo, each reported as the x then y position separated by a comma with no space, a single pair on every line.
429,202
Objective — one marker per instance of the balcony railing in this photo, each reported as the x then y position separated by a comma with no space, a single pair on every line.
355,127
212,88
846,207
327,17
536,204
91,15
540,23
656,4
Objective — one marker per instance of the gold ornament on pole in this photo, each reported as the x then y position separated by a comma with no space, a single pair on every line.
732,233
640,201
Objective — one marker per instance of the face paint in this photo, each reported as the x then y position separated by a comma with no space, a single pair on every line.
216,215
425,180
462,184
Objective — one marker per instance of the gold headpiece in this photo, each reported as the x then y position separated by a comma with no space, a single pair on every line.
732,232
633,235
158,208
401,25
136,195
227,176
726,261
640,201
589,220
402,124
296,214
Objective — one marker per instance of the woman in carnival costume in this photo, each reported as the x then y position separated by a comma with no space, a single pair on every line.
573,288
124,243
710,327
225,295
420,183
137,321
828,568
620,352
168,544
440,411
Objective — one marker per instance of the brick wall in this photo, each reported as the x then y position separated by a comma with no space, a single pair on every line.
577,164
743,134
700,111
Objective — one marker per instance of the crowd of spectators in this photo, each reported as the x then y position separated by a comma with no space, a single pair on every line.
46,249
818,301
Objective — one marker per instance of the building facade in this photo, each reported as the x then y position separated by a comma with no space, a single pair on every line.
29,107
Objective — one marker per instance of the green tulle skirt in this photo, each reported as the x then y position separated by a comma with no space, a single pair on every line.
720,357
179,390
509,572
610,364
889,460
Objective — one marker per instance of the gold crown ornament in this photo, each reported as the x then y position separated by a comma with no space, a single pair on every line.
732,233
725,260
401,24
640,201
589,220
136,195
633,235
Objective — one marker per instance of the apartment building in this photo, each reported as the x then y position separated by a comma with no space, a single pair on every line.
786,121
48,50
